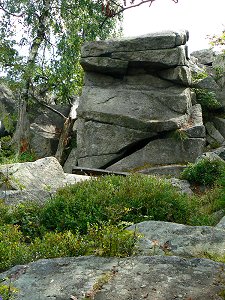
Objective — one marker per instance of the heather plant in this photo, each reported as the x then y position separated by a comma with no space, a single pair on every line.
205,171
133,199
91,217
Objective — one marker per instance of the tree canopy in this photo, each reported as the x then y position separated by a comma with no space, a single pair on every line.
42,40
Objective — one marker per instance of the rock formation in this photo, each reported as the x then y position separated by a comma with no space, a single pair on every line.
136,110
100,278
34,181
209,69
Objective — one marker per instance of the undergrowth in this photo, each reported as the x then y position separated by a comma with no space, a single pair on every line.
90,217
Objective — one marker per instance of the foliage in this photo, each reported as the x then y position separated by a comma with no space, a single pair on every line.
180,135
53,32
198,76
90,217
27,218
205,171
7,292
207,99
110,240
134,198
218,40
8,155
104,240
7,119
12,248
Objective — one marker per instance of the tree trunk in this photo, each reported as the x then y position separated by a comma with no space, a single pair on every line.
22,133
64,139
21,137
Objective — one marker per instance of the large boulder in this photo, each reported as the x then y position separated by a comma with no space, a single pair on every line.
99,278
135,96
152,41
36,181
181,240
161,152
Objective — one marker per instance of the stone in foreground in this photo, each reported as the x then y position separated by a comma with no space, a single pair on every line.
154,277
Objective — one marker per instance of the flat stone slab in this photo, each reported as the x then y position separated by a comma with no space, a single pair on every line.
155,277
161,152
178,239
151,41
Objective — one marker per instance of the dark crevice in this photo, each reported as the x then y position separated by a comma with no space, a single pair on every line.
134,147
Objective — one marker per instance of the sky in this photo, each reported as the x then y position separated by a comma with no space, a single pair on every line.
199,17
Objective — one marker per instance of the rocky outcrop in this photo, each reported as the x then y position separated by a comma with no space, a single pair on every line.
35,181
136,110
208,69
181,240
149,277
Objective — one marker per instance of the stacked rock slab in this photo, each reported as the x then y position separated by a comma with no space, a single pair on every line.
136,107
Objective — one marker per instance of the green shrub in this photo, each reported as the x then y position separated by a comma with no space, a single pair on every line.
110,240
7,292
5,216
58,245
13,250
27,216
207,99
103,240
114,198
205,171
8,155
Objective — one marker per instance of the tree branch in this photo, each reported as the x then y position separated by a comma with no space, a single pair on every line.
9,13
123,8
47,106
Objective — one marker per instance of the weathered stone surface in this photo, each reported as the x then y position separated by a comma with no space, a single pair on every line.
194,128
45,130
34,181
207,83
180,75
8,107
221,224
142,81
71,161
123,109
44,139
41,174
155,59
183,240
152,41
14,197
155,277
182,185
204,56
214,134
99,161
220,152
104,65
7,99
134,108
212,156
220,125
95,138
172,170
161,152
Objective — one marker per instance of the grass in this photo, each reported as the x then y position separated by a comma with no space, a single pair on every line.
90,217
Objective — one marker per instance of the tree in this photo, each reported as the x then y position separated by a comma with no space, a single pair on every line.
50,34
